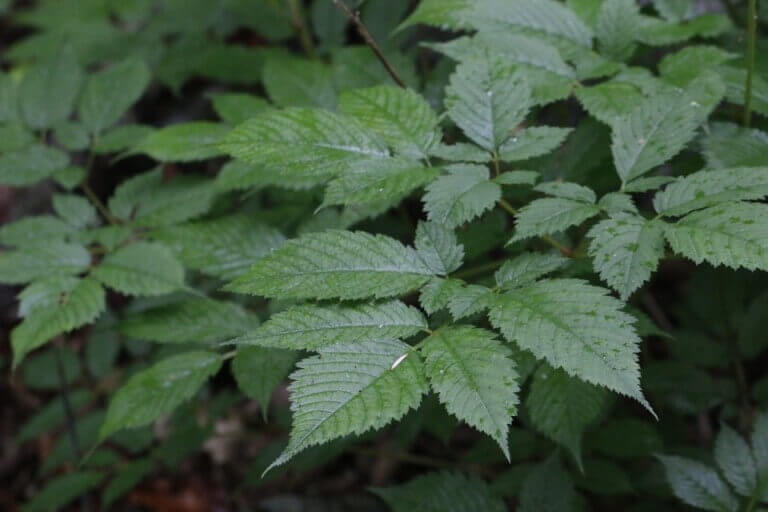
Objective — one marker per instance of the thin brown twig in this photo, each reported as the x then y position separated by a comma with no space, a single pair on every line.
355,18
300,25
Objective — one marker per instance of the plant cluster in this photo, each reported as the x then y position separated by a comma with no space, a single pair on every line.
523,242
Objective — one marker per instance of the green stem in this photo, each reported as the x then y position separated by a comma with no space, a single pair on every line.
299,22
478,270
751,36
565,251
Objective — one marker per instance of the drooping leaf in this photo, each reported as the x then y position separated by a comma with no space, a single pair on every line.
42,259
343,264
438,247
730,234
474,376
258,371
62,490
616,28
184,142
577,327
314,327
158,390
562,407
349,389
460,196
142,268
441,492
401,118
78,302
734,458
110,93
294,82
698,485
626,250
29,165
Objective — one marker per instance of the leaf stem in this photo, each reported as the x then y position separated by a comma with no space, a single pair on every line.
479,270
751,36
100,206
368,38
299,22
565,251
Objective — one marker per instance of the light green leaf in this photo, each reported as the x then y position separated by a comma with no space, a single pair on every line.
158,390
730,234
610,101
734,458
148,200
142,268
110,93
460,196
315,327
350,389
200,320
447,14
438,247
656,32
14,136
626,250
460,152
658,129
487,100
567,190
474,376
526,268
441,492
43,259
35,230
551,215
437,294
302,143
343,264
470,300
562,407
647,183
63,490
48,90
121,138
729,145
617,202
225,247
76,210
617,28
674,10
258,371
29,165
698,485
294,82
576,327
517,178
401,118
532,142
709,188
184,142
235,107
79,302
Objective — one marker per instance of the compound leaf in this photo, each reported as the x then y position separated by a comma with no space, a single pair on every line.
142,268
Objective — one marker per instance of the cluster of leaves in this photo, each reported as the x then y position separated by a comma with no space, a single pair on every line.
473,246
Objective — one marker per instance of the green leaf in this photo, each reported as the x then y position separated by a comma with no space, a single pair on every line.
142,268
474,376
343,264
71,135
734,458
526,268
349,389
148,200
315,327
294,82
441,492
626,250
698,485
548,488
401,118
62,490
470,300
460,196
610,101
43,259
29,165
647,183
34,230
760,451
567,190
447,14
438,247
301,143
656,32
378,182
617,202
561,407
674,10
225,247
517,178
258,371
730,234
660,128
121,138
9,103
126,478
329,24
729,145
460,152
547,16
158,390
437,294
487,100
709,188
14,136
76,210
79,302
551,215
48,90
52,415
236,107
200,320
184,142
110,93
532,142
576,327
357,67
617,28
